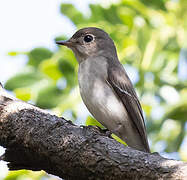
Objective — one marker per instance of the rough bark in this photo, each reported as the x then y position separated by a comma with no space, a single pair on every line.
38,140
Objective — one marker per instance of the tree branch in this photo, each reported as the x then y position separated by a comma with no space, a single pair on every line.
38,140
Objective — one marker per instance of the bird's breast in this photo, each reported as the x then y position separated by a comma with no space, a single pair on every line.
98,96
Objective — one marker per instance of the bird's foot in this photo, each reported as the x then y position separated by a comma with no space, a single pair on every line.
93,127
107,132
155,153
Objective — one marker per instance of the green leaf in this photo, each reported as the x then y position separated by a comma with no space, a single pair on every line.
158,4
13,53
70,11
90,121
24,79
172,45
147,108
37,55
178,112
109,15
49,97
16,53
51,69
13,175
119,140
25,174
61,38
139,7
144,35
71,100
176,143
68,71
23,93
126,15
66,67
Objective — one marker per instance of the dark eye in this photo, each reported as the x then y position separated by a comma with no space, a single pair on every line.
88,38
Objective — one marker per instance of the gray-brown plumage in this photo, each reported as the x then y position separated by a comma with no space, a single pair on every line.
105,87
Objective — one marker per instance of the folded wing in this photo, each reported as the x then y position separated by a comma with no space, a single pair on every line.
120,82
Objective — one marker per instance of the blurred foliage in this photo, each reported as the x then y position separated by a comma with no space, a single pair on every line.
28,175
149,36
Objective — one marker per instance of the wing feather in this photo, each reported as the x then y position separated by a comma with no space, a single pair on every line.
123,87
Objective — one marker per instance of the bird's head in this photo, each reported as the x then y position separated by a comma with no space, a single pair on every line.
89,42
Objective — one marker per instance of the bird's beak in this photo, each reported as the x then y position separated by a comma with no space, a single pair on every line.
67,43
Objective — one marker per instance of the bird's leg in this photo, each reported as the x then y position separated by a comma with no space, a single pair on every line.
155,153
95,127
105,131
117,129
108,133
114,131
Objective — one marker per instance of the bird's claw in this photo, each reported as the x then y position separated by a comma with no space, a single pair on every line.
107,132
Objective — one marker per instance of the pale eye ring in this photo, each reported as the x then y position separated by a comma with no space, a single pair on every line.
88,38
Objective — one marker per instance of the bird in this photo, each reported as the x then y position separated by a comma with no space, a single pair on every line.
105,87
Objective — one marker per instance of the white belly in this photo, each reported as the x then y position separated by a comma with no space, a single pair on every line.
98,96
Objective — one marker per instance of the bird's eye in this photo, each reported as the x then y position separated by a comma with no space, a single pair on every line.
88,38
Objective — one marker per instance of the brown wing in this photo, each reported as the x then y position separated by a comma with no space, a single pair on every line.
123,87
